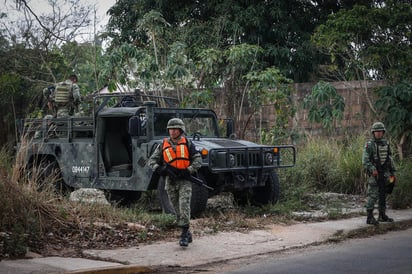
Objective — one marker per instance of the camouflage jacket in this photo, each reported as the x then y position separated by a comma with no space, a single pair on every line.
377,156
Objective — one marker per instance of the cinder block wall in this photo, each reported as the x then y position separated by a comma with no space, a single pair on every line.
358,116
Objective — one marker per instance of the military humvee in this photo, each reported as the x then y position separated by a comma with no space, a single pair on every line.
109,150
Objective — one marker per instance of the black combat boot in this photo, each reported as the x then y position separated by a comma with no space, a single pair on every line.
370,220
189,237
184,238
384,218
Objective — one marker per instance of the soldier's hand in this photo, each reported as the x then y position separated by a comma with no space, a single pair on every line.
392,179
375,173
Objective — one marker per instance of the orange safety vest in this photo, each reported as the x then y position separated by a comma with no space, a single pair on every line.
179,158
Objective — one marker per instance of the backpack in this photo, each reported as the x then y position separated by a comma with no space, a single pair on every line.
62,93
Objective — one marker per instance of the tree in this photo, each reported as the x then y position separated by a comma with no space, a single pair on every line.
325,105
395,104
281,28
270,88
37,50
373,42
225,40
368,42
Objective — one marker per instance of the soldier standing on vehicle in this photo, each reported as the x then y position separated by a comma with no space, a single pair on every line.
378,163
48,95
65,98
177,158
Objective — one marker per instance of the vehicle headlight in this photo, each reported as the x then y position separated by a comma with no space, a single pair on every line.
268,158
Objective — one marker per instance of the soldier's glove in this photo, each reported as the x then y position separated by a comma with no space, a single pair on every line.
375,173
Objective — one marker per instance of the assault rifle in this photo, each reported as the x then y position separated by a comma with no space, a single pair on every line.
384,183
174,173
381,180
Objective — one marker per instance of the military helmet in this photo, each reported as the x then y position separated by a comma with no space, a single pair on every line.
378,126
176,123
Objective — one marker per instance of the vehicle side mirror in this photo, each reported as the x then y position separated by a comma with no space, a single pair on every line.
230,127
135,126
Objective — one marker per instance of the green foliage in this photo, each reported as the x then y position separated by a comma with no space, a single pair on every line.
325,105
395,105
281,28
269,86
15,243
199,98
401,196
368,41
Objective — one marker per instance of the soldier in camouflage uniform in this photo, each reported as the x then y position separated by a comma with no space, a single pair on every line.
178,152
378,163
64,99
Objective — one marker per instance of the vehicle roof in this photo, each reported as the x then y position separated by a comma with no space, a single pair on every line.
118,111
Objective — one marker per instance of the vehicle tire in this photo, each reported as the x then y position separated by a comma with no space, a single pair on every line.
198,202
268,194
164,198
122,197
200,195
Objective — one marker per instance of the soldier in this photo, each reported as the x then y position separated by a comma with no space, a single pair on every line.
48,94
177,158
65,98
378,163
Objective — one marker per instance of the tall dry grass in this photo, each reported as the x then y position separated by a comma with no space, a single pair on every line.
328,165
31,217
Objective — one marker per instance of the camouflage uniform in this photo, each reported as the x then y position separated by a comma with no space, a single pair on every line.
377,161
179,190
64,102
66,107
48,95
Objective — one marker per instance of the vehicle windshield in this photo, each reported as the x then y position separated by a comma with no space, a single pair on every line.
202,124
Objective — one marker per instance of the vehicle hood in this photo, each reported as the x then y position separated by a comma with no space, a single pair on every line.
213,143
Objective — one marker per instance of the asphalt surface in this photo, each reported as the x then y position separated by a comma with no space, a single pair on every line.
204,250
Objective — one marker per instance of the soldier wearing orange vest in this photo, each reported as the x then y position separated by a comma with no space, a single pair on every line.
178,152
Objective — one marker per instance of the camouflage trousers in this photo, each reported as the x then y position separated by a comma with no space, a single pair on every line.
373,195
180,194
62,112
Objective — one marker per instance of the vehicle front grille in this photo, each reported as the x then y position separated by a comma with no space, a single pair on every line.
239,159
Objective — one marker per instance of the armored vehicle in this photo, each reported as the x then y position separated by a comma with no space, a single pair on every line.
109,149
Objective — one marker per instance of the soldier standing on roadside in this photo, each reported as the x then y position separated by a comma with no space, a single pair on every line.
378,163
180,155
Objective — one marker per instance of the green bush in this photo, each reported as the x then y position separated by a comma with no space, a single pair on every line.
401,197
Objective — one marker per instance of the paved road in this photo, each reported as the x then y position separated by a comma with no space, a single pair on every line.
388,253
222,248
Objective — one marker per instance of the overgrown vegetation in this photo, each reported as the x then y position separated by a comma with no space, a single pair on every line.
38,220
49,224
328,165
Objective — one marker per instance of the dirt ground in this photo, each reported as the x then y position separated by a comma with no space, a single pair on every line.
221,215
